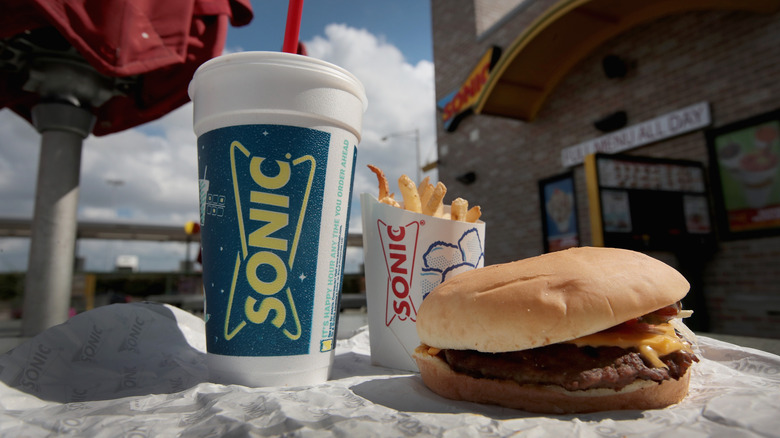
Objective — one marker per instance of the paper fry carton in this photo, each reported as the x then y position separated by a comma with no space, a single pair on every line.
407,255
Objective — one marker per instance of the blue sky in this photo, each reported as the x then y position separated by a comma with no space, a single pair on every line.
387,45
405,24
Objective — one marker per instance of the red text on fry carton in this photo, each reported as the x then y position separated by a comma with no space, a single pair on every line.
399,245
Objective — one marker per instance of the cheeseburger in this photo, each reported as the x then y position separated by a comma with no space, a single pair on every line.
580,330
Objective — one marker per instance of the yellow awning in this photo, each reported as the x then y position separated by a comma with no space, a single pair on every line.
543,54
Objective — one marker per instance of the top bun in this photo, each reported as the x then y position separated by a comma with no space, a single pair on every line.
546,299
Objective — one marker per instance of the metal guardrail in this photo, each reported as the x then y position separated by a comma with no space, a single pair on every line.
14,227
353,301
20,227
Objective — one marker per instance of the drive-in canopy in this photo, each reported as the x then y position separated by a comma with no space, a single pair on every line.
541,56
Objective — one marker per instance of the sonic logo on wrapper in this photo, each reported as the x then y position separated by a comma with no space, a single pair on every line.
399,244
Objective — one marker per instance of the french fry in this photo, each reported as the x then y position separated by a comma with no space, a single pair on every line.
436,201
426,199
384,186
473,214
390,200
410,194
458,209
426,190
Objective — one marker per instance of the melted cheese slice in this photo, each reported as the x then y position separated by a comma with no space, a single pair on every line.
651,345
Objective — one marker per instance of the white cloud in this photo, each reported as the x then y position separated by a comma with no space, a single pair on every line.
156,166
157,162
401,98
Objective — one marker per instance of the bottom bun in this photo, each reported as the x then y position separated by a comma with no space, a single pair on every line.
441,379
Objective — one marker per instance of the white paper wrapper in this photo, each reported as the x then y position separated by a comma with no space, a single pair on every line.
407,255
105,374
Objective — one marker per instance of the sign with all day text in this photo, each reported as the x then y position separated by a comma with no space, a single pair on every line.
662,127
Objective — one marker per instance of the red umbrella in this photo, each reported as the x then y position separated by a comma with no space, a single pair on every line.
154,45
75,67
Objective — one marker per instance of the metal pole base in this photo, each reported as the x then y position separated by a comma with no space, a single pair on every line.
49,276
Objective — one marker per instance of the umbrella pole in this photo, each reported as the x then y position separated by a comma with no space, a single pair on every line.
47,291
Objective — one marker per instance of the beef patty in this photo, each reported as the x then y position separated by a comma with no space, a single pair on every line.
566,365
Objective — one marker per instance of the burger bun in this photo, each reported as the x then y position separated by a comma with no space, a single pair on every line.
546,299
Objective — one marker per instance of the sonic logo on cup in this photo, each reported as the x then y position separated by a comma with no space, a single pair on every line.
261,260
399,244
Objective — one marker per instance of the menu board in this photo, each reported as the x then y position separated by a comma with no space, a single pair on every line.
648,203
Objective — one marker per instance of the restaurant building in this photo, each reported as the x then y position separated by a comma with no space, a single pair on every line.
650,125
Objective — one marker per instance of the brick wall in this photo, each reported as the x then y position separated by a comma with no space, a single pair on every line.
489,12
730,59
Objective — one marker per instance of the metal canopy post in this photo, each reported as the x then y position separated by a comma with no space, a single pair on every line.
63,127
68,88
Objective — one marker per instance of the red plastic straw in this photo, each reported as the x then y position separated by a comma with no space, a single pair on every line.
294,10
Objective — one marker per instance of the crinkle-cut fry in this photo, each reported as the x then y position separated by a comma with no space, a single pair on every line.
390,200
410,194
425,189
384,185
473,214
436,200
458,209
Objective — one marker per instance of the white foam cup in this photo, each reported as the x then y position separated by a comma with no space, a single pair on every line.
277,140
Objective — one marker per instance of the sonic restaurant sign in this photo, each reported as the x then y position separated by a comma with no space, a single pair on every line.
666,126
457,105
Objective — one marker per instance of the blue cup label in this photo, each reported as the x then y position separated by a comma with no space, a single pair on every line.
262,195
